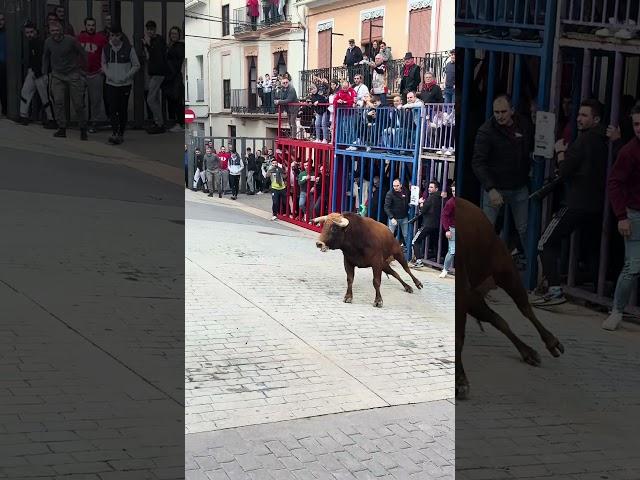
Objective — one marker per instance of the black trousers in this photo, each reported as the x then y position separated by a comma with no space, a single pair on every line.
234,182
564,222
277,200
118,101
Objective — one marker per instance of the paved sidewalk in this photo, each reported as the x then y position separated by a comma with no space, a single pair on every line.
573,418
268,339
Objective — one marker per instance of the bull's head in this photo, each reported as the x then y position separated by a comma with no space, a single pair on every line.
333,231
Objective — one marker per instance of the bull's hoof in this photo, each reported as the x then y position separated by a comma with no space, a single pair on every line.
462,389
419,285
348,299
408,289
530,356
555,347
378,303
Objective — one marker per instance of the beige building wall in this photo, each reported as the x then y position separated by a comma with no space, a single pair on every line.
346,19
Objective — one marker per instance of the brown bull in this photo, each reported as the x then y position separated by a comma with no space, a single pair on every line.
480,257
365,243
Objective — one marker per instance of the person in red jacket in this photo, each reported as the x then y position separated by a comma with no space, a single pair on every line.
224,170
624,194
448,221
345,97
93,42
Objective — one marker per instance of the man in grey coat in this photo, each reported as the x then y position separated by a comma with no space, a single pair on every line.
212,169
65,57
288,95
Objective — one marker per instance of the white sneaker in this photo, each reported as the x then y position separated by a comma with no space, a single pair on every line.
352,148
440,152
603,32
259,192
274,218
612,322
324,141
448,152
443,274
368,149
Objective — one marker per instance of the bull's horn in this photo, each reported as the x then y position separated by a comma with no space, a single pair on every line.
320,219
343,222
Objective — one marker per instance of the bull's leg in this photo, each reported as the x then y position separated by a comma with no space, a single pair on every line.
377,278
511,283
462,384
350,269
390,271
479,309
402,261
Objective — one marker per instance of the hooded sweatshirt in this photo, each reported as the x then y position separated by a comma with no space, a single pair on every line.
119,64
235,164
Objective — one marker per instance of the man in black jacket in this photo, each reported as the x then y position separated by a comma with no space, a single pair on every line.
430,210
34,80
501,162
251,172
352,58
288,96
156,50
396,206
410,76
583,166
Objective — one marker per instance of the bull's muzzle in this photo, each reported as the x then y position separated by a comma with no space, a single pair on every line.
321,246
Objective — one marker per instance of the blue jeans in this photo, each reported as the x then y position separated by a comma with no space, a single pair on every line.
302,202
518,200
631,269
449,95
448,259
404,228
322,126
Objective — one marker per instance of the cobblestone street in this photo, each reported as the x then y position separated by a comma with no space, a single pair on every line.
283,380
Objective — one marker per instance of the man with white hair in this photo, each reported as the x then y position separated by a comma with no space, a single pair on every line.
378,83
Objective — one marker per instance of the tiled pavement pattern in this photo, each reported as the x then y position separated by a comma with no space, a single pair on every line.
87,389
268,338
573,418
403,442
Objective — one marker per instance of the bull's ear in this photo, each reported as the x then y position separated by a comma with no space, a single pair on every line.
320,219
343,222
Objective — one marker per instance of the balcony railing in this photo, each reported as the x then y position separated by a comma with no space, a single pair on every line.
244,23
590,17
434,62
504,13
200,90
245,101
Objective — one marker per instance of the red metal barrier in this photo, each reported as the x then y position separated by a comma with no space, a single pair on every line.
302,153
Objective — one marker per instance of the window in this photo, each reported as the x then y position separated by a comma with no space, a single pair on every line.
419,31
226,94
371,30
324,49
280,62
225,20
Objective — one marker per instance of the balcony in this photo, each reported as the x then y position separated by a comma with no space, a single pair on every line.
247,103
504,20
200,90
434,62
251,28
607,21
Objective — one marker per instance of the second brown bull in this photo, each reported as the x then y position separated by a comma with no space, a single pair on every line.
365,243
481,256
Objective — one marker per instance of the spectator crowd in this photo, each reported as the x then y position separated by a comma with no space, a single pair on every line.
95,70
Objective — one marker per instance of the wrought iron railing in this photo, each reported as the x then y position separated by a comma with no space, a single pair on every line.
245,101
267,17
504,14
619,17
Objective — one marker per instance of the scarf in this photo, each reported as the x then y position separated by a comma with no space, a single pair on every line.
407,67
429,85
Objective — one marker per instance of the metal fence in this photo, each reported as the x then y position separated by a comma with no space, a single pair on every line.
244,100
267,17
587,16
503,14
433,62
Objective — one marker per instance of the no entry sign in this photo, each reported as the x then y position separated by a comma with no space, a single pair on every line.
189,115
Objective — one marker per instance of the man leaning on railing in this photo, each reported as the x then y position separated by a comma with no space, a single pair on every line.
288,95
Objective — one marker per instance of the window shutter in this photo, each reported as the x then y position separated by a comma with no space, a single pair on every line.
419,31
324,48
